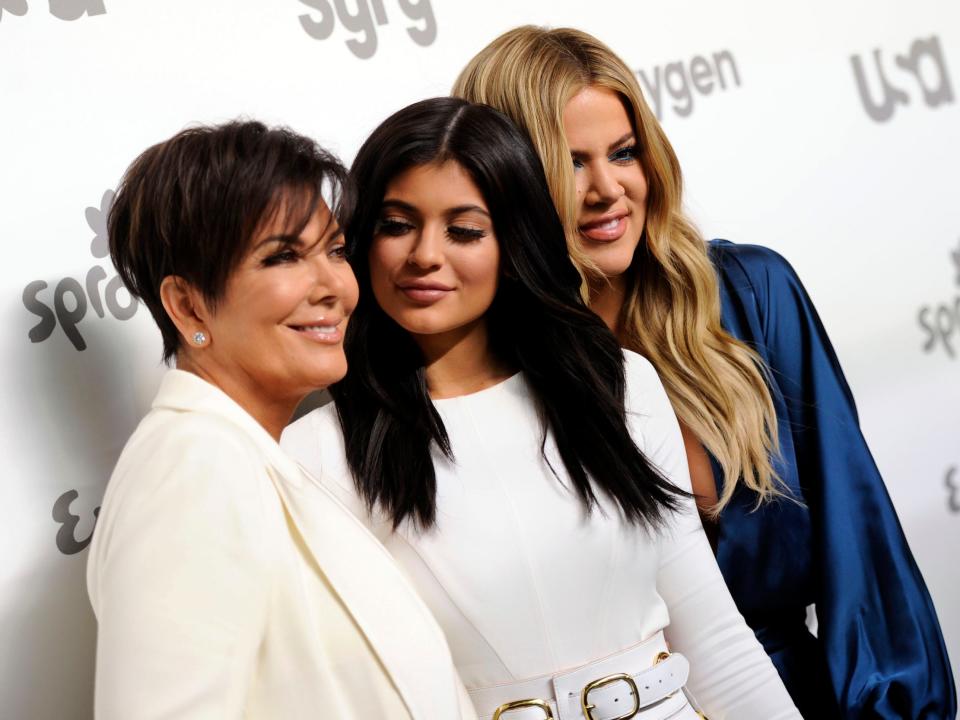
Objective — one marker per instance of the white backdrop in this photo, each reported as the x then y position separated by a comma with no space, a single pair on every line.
829,131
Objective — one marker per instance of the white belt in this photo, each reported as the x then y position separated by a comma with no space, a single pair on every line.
644,682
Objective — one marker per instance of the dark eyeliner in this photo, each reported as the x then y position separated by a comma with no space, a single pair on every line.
628,153
458,232
278,258
393,227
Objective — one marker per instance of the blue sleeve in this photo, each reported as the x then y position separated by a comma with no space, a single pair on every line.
877,624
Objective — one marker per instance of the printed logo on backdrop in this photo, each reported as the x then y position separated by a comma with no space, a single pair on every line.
63,9
67,541
66,304
922,68
952,482
362,22
940,322
683,82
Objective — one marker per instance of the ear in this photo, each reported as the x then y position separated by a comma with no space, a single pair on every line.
185,306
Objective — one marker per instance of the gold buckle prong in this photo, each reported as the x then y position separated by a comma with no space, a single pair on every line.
609,680
517,704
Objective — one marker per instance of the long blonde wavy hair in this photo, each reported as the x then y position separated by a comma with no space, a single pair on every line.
672,312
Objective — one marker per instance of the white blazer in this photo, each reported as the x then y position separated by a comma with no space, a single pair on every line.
228,583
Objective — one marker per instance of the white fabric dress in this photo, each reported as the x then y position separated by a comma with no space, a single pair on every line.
525,583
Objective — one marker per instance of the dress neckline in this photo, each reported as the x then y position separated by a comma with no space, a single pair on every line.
504,384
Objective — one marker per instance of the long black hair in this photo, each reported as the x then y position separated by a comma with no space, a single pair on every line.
537,323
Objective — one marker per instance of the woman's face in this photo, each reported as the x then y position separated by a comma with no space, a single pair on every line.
434,260
280,324
611,186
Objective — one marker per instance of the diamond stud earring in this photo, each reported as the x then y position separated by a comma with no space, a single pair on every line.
199,337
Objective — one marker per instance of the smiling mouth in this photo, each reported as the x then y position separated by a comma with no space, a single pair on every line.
605,230
327,333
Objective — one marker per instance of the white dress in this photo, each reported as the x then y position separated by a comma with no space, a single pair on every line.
525,583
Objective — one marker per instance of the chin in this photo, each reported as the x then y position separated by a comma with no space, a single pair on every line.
425,329
613,264
329,374
421,325
614,259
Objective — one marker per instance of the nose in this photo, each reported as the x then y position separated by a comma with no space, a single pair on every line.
602,185
427,250
329,283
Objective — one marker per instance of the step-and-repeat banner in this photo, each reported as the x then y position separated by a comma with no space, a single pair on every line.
828,131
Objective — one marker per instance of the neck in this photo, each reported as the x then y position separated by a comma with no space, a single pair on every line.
607,297
272,414
460,362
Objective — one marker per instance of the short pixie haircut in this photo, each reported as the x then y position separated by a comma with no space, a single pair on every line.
191,205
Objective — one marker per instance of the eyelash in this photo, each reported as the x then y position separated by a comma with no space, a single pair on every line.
280,258
457,233
624,156
465,234
338,251
393,228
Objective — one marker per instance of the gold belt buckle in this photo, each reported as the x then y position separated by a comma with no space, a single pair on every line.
517,704
609,680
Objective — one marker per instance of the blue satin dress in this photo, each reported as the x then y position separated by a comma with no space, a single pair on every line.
879,652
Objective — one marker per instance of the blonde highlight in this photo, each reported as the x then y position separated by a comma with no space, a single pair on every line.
716,383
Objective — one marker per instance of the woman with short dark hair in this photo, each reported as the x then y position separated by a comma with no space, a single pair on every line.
227,582
528,474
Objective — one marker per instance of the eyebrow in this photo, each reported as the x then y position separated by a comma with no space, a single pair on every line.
294,240
398,204
611,147
285,239
468,208
401,205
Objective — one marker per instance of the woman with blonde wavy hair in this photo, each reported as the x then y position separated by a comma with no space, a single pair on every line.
785,482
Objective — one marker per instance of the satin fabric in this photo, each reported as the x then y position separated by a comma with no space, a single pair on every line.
879,652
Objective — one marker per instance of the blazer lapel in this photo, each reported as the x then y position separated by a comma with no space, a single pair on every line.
380,600
384,605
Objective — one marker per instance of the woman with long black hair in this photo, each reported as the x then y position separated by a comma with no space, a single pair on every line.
528,474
